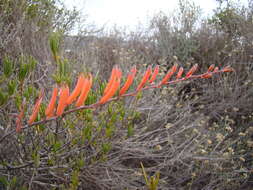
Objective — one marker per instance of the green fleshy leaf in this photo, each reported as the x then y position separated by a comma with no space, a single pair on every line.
7,67
11,87
23,71
3,98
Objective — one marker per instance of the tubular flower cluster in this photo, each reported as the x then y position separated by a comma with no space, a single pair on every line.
84,84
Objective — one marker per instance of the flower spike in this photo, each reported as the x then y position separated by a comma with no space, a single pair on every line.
111,88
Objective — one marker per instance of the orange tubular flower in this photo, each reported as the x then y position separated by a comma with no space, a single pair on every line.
129,81
118,73
154,75
211,68
180,72
85,91
134,70
19,120
36,108
51,106
228,69
110,93
144,78
191,71
168,75
112,77
64,94
77,89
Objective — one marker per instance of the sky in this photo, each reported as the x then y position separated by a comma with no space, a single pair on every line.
129,13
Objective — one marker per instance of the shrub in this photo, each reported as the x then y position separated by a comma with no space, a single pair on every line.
59,153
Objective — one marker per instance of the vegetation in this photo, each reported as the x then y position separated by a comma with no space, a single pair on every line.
153,126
